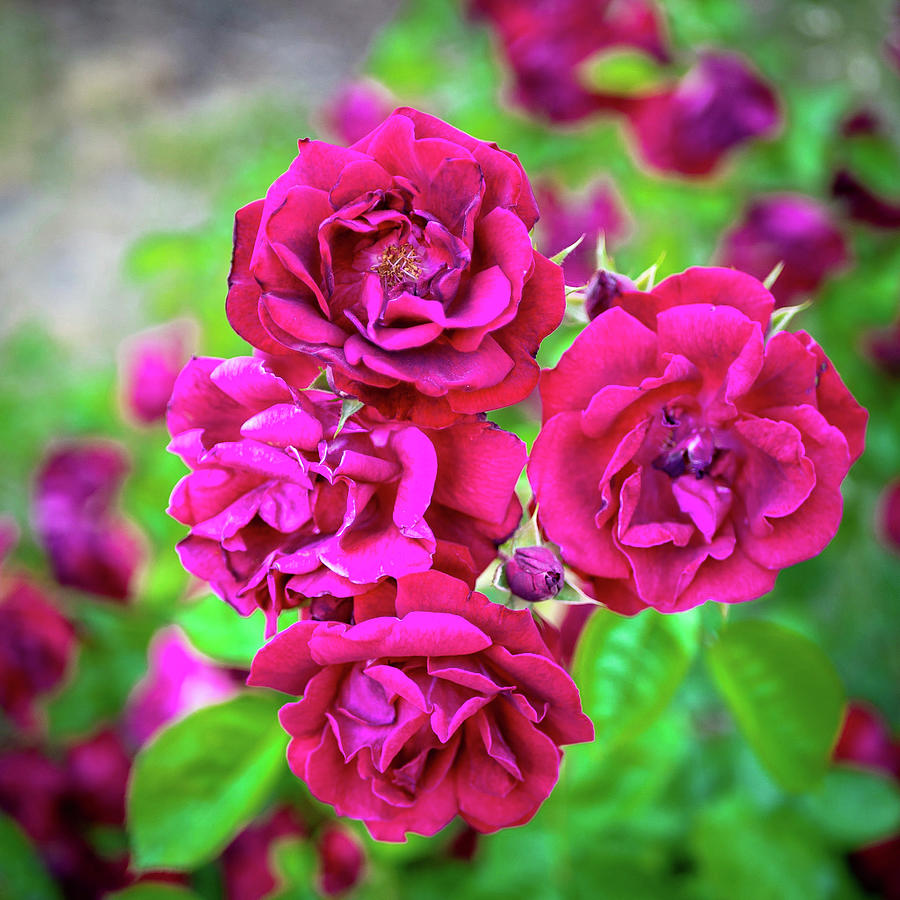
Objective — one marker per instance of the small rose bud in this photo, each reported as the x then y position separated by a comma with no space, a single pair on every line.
603,290
341,861
534,574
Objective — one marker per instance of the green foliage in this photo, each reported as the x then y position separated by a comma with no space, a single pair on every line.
22,874
784,694
199,780
628,669
112,656
149,890
215,629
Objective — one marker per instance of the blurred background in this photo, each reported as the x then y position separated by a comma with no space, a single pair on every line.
685,132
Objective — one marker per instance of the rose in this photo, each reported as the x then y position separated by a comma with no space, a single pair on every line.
403,263
440,703
684,458
534,574
547,44
37,644
793,230
718,105
91,547
285,503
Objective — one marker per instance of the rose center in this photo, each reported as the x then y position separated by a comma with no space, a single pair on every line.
688,447
399,264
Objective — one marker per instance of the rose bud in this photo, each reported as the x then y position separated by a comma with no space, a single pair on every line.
534,574
602,291
341,861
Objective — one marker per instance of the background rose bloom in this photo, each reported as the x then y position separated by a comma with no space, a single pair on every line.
718,105
565,219
405,263
685,459
282,509
546,42
441,703
36,645
791,229
90,546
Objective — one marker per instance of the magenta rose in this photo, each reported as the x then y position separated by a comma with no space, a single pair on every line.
718,105
358,108
684,457
438,704
546,42
149,364
91,546
404,264
790,229
37,644
283,507
566,219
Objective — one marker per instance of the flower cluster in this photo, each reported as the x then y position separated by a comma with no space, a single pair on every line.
393,296
347,470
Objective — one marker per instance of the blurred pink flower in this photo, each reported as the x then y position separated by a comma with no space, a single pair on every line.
861,204
882,347
37,643
179,680
247,864
545,43
791,229
564,219
358,108
341,860
445,705
90,545
683,458
149,364
866,741
889,515
718,105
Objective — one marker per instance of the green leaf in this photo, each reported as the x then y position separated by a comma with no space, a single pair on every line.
785,695
112,657
349,405
628,669
216,629
772,277
628,72
22,874
781,318
202,779
149,890
560,258
295,863
855,807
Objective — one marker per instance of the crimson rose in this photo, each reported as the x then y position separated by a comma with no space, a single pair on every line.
684,458
286,503
404,263
434,704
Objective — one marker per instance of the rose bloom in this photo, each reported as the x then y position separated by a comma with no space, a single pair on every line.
149,364
37,643
358,108
791,229
404,264
433,704
888,523
90,545
718,105
683,457
179,680
866,741
565,219
546,42
283,508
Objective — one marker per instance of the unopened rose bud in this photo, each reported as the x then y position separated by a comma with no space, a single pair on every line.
534,574
341,861
603,290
